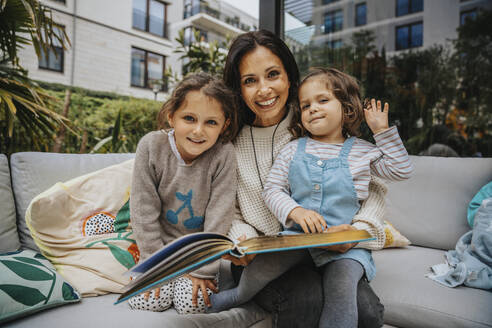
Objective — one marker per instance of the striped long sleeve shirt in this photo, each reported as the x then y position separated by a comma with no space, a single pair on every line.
387,159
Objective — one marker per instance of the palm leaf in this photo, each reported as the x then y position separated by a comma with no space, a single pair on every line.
22,102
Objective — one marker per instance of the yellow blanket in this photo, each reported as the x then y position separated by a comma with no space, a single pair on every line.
82,226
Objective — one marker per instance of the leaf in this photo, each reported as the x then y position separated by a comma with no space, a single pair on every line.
40,256
27,271
28,260
25,295
122,218
122,256
68,292
116,132
100,144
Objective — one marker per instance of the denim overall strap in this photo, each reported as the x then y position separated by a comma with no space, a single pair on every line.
344,152
301,148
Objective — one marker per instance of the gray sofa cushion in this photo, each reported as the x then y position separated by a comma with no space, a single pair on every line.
9,239
100,312
33,173
412,300
430,207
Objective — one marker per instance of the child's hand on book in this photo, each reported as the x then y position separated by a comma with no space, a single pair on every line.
146,295
201,284
310,221
241,261
376,117
340,248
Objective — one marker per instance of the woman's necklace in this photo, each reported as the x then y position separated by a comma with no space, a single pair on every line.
254,150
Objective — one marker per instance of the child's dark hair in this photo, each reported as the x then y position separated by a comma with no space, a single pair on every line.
346,89
210,86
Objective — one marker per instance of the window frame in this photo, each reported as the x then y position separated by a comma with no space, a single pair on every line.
53,50
146,85
203,33
357,14
409,8
409,25
329,2
331,44
333,14
472,10
147,19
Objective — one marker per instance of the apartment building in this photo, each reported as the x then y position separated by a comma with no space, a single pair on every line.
397,24
124,46
215,20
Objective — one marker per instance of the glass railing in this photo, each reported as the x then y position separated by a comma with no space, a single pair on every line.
201,8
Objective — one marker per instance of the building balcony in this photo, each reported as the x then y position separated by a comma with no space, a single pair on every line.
205,9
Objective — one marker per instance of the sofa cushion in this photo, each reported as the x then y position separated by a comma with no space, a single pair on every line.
9,238
412,300
34,172
430,207
394,238
75,223
29,283
100,312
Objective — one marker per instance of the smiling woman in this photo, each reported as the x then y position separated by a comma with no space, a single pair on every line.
264,86
262,71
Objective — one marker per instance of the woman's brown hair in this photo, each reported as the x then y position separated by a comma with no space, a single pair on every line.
346,89
210,86
246,43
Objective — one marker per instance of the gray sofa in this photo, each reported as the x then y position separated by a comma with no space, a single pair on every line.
429,209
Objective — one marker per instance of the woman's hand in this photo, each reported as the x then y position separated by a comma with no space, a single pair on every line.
341,248
201,284
376,118
240,261
310,221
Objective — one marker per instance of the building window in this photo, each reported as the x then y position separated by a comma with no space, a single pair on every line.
54,58
150,16
334,44
360,14
409,36
147,69
190,37
333,21
326,2
60,1
405,7
468,15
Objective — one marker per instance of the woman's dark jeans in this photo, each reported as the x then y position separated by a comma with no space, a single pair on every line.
296,299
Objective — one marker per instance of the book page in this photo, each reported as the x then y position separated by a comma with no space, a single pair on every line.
276,243
165,273
174,247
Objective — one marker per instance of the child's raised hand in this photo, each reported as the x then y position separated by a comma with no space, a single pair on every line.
201,284
376,117
310,221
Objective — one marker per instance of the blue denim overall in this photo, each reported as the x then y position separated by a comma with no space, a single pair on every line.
327,187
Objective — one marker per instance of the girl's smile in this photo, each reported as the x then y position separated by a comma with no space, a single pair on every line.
197,125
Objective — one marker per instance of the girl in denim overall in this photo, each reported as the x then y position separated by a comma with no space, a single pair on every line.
316,185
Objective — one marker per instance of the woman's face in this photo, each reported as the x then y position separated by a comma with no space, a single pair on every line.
264,85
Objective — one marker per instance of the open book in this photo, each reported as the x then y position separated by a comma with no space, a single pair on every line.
192,251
